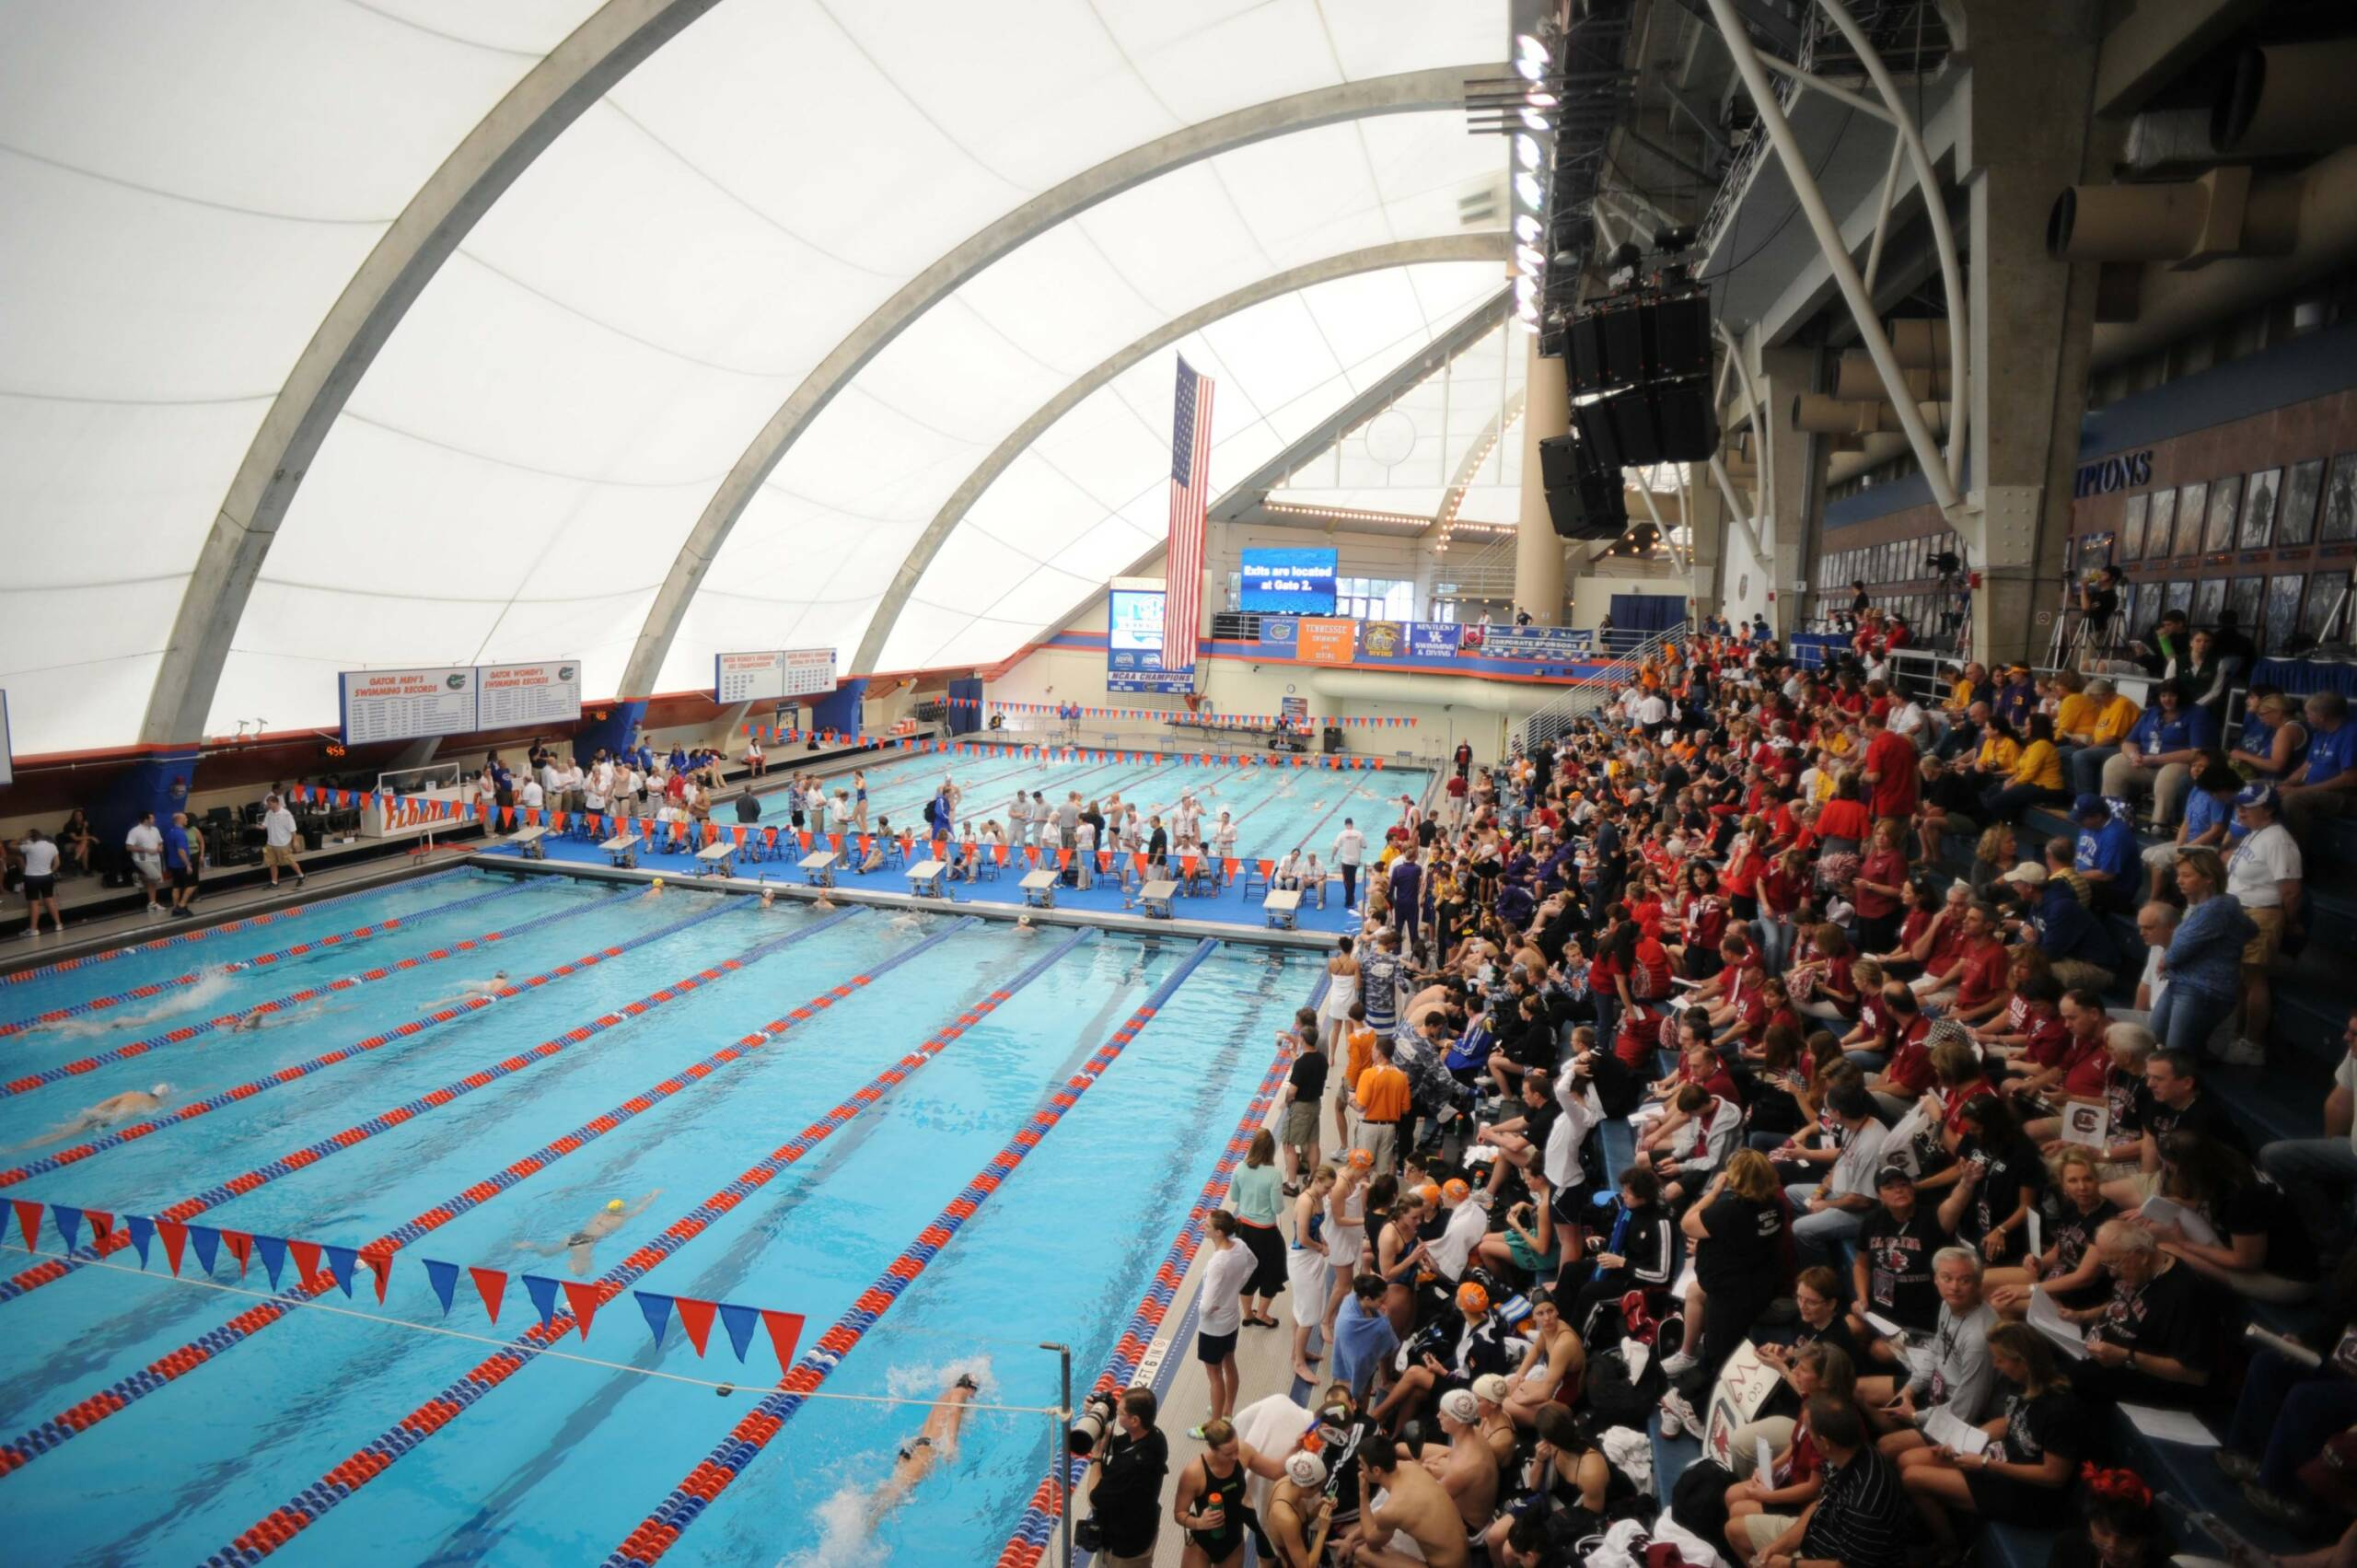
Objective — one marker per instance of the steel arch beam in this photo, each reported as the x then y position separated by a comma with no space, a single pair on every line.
1407,93
550,97
1486,247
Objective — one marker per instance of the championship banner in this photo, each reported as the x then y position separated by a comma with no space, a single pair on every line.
1328,640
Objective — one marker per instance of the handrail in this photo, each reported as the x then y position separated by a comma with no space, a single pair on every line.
1558,716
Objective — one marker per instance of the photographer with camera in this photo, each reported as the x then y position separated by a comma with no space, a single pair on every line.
1128,1459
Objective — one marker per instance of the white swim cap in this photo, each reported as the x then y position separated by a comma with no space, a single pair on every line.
1306,1469
161,1089
1459,1406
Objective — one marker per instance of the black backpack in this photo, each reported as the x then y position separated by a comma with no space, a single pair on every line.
1615,1398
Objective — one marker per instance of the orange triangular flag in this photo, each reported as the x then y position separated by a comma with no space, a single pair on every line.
492,1285
583,1299
696,1318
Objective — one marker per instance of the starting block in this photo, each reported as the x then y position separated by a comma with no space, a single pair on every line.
622,850
1040,889
1284,908
925,879
1154,897
528,840
819,869
717,859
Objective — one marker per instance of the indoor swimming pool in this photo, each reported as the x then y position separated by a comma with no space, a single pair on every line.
940,1140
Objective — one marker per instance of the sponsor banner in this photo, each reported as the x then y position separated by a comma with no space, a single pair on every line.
406,704
1328,640
1281,636
1133,644
1434,638
509,696
1383,639
1559,642
773,673
1287,582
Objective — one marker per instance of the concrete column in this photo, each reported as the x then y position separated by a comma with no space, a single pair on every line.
1706,524
1795,496
2029,134
1538,549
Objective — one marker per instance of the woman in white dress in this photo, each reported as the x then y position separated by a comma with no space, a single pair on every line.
1341,989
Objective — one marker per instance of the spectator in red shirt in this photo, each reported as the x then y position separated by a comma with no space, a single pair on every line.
1909,1073
1842,823
1981,989
1890,770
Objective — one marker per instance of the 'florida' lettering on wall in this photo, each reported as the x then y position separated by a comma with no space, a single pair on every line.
2115,473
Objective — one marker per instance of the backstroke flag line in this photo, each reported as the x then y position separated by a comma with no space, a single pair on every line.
1190,478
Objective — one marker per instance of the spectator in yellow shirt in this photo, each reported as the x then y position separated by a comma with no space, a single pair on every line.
2037,776
2090,736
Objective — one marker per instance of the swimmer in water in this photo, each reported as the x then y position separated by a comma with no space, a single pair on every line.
1023,926
653,891
470,991
582,1243
768,899
935,1441
272,1017
823,904
112,1111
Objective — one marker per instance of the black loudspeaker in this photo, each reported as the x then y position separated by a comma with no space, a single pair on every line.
1586,364
1635,432
1626,352
1558,461
1599,440
1596,507
1684,420
1678,335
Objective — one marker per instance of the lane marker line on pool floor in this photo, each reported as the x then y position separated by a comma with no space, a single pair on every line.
260,961
22,1451
183,1033
244,922
348,1052
657,1533
298,1513
1032,1534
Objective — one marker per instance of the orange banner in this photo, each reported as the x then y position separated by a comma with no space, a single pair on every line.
1328,639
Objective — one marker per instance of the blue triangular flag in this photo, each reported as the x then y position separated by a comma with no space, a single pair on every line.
143,1231
273,1254
207,1242
443,1277
658,1309
69,1225
340,1261
543,1296
740,1322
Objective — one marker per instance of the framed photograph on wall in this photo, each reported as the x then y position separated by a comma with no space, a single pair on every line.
2156,537
2295,515
2131,527
2259,509
2145,610
2244,597
2192,506
2282,617
2225,502
2325,591
2339,501
2209,599
2177,594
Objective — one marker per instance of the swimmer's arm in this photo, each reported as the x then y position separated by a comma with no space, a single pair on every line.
642,1204
1270,1466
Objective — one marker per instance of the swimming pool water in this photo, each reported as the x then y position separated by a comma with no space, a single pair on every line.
1276,809
559,1462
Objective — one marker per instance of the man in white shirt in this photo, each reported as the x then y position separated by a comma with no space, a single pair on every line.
596,786
535,794
146,844
39,855
1350,851
1651,712
1907,718
1829,1212
1288,873
1223,838
2263,874
278,840
1018,819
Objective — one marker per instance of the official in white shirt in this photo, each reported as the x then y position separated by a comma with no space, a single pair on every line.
278,840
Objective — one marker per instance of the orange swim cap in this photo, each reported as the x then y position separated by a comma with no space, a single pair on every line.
1455,1191
1471,1297
1361,1159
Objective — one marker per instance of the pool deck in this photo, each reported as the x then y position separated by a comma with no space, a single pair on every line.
1228,915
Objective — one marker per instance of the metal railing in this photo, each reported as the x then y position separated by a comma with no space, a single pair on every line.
1557,717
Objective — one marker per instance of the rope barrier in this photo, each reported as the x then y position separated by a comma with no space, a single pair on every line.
284,955
745,1441
238,1186
186,1032
266,917
22,1451
284,1522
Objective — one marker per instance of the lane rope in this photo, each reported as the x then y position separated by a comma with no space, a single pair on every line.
298,1513
1036,1530
238,1186
657,1534
260,961
244,922
183,1034
27,1446
296,1072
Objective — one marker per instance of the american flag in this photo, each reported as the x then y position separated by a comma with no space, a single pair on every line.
1190,478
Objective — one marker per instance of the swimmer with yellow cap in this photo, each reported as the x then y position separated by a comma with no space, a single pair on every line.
581,1244
653,891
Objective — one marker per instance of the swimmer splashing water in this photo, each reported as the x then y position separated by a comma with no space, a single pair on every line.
469,990
934,1442
112,1111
